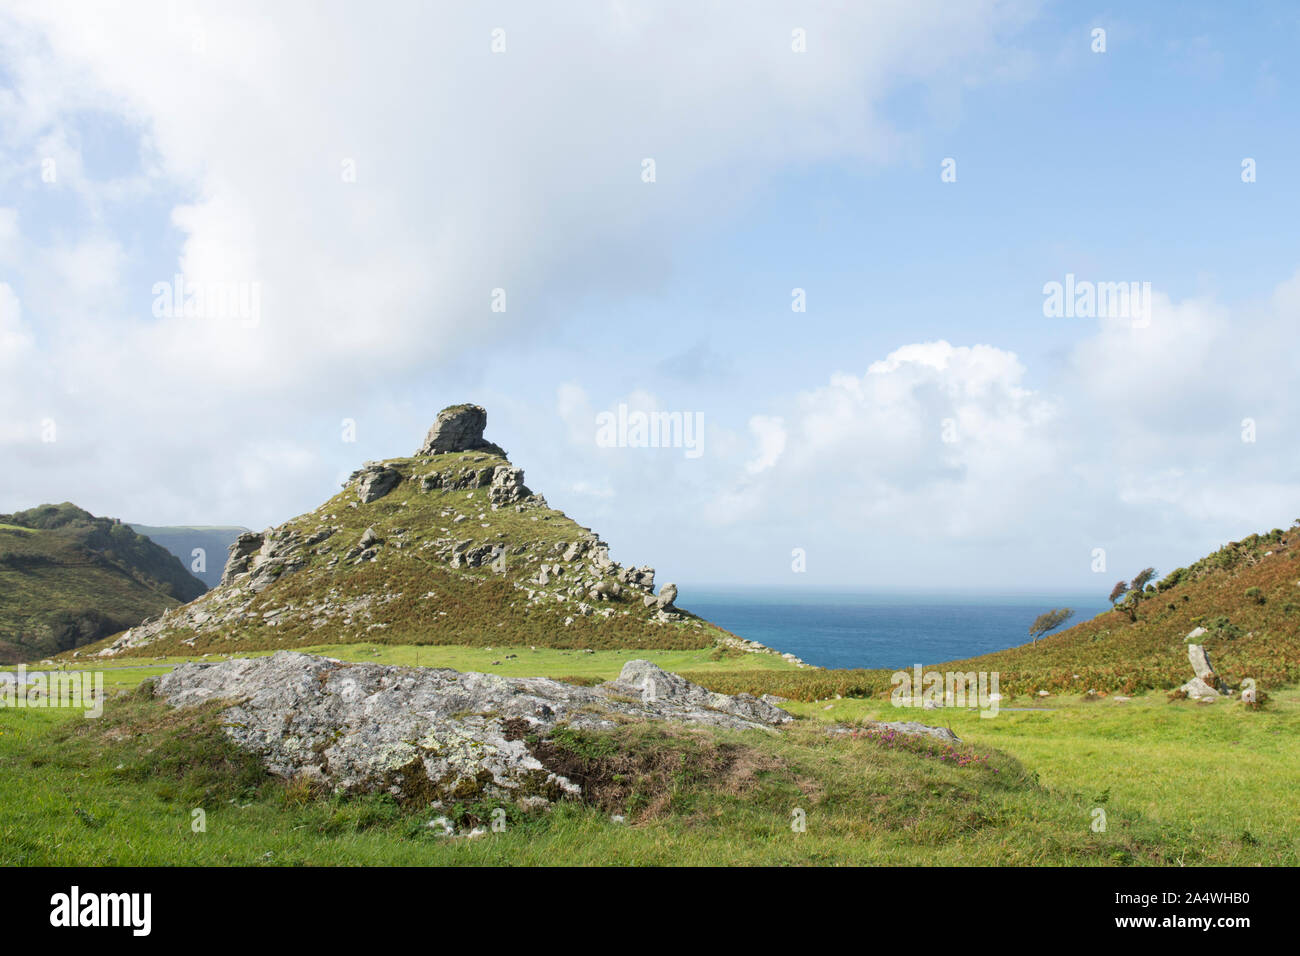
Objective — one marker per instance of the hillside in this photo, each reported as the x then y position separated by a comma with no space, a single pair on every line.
1246,595
445,547
68,578
182,540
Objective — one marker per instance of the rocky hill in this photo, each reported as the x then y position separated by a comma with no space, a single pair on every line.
448,546
68,578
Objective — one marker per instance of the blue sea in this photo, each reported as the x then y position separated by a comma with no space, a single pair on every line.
882,630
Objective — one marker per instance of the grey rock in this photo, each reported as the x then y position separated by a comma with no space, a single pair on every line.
507,485
423,732
915,727
241,552
374,481
458,428
1198,689
1200,660
912,727
605,589
667,595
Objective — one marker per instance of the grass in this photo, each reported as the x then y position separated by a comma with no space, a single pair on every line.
124,790
507,660
1180,783
1214,773
1246,595
67,578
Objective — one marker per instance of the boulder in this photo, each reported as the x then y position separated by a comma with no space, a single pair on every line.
430,733
1198,689
458,428
911,727
667,595
1200,660
374,481
920,729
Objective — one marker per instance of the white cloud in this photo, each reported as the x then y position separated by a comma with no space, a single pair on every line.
14,337
476,171
769,432
473,171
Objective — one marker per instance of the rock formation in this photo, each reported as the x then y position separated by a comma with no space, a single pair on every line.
426,733
442,525
374,480
1206,685
458,428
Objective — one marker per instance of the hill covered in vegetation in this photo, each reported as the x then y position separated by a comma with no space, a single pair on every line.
445,547
1246,596
68,578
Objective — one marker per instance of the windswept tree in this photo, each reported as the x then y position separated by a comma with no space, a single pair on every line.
1049,621
1142,580
1117,592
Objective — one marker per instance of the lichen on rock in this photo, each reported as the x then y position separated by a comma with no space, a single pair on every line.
430,733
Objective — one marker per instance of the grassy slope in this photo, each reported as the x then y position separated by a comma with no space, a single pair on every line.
1251,633
76,579
1210,775
1180,783
122,791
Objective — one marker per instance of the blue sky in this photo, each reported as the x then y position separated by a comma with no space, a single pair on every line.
207,140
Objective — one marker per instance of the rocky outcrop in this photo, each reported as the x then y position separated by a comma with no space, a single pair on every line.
1200,661
436,523
374,481
458,428
910,727
507,486
1206,685
241,552
425,733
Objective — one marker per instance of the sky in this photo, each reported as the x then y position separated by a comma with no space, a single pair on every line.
246,247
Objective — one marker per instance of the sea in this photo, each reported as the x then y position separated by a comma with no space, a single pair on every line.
889,630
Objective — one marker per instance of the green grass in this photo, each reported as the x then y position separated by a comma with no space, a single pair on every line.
68,578
1181,783
123,791
127,672
1215,772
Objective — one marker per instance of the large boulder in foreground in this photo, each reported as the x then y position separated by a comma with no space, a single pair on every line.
426,734
458,428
